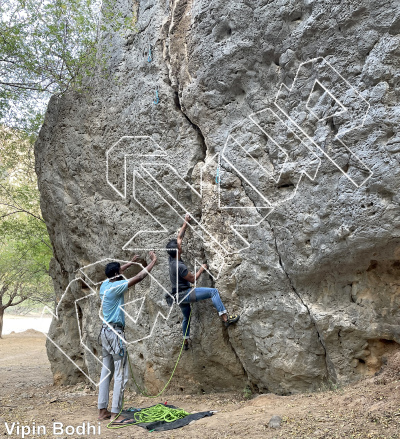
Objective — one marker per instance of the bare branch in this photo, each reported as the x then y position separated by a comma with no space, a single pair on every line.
11,213
21,210
22,86
17,303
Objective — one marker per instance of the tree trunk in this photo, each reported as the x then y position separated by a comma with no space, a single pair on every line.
1,320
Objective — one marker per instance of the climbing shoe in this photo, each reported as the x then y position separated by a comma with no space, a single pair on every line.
231,320
186,345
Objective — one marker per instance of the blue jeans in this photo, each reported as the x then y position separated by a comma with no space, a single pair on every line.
201,294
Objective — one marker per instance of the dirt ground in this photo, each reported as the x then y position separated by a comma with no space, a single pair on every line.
368,409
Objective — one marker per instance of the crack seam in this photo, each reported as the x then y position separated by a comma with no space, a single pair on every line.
320,338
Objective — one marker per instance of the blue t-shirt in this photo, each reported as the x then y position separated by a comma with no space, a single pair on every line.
112,298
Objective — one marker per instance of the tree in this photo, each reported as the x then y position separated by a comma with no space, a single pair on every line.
44,47
25,248
21,221
48,47
21,281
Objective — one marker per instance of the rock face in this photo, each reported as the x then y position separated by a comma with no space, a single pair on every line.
298,216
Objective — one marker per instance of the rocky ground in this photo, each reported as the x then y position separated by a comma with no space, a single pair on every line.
368,409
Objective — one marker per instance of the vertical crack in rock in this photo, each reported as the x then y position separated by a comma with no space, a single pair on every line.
229,343
169,26
195,127
330,369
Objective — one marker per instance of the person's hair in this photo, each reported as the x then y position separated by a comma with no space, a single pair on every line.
112,269
172,248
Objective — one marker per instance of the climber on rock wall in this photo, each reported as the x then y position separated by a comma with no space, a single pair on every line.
114,352
181,279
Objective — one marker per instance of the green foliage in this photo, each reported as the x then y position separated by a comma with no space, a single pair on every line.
22,277
25,249
247,393
48,47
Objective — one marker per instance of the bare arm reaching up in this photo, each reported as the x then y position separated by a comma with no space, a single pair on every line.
129,264
182,231
140,276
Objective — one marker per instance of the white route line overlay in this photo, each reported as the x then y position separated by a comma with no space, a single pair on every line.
142,166
319,119
312,178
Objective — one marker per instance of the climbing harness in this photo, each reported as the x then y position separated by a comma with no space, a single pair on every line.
112,349
157,98
153,412
149,57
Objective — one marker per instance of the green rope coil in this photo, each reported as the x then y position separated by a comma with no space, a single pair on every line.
159,412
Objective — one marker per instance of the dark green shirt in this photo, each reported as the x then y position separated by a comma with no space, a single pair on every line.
177,272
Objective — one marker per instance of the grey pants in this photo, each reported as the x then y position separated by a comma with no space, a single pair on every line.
112,347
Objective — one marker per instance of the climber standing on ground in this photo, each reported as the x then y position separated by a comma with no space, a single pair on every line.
181,279
114,351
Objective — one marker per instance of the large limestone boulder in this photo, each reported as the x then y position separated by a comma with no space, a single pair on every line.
277,127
